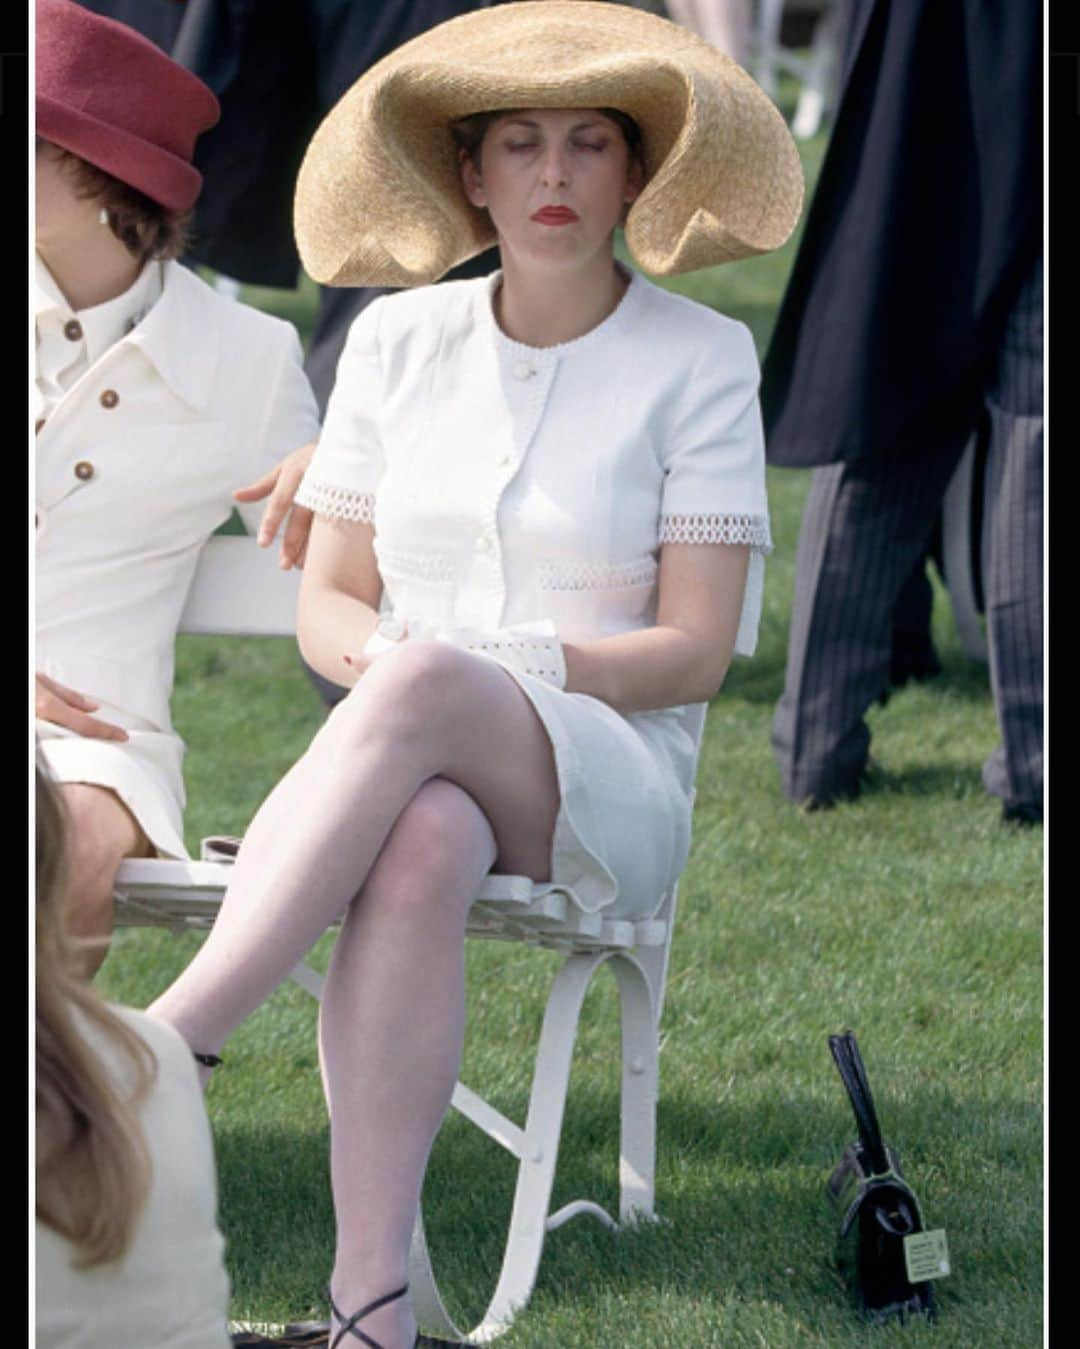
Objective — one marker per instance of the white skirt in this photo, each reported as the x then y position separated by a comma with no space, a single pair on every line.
622,834
145,772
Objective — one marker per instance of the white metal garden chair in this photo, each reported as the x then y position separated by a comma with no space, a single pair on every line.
238,589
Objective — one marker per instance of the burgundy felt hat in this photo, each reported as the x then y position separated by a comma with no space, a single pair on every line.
110,96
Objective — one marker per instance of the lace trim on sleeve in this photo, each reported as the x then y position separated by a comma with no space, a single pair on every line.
751,529
596,575
337,503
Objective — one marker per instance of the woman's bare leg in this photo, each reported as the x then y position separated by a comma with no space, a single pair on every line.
424,711
391,1027
432,769
103,832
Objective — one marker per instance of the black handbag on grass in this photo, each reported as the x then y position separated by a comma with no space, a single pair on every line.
884,1249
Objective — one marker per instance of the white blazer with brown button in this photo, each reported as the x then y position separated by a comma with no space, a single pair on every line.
135,466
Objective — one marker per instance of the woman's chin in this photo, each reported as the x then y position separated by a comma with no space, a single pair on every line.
558,250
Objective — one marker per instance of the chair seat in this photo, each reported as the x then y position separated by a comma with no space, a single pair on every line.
184,894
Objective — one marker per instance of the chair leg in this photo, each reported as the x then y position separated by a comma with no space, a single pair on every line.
529,1220
537,1147
640,1089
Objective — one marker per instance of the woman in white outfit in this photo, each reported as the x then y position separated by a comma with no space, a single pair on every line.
538,497
154,398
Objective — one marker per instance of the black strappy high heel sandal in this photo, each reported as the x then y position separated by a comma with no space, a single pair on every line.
348,1324
316,1334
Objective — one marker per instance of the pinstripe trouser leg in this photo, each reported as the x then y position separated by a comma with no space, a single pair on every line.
1014,583
864,526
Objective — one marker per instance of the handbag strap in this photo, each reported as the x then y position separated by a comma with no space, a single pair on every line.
845,1052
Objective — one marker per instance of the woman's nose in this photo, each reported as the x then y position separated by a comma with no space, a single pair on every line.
554,170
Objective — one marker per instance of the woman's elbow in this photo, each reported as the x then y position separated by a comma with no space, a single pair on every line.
305,645
311,651
708,675
309,627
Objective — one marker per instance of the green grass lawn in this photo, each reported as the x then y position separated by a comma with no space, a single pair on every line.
911,915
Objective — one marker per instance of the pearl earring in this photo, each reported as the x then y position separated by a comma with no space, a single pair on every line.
103,216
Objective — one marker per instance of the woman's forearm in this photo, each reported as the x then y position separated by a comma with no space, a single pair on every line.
648,669
329,624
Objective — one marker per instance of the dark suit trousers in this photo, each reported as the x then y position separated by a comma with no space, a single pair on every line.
865,525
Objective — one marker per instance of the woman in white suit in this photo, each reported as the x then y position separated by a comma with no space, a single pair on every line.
540,527
155,397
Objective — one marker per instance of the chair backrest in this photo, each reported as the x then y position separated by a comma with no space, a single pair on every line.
239,589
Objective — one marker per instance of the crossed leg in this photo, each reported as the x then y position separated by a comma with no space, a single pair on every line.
431,771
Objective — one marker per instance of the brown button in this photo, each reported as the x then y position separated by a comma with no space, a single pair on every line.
84,470
73,330
38,425
109,398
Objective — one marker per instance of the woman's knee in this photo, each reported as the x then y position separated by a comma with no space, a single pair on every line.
441,846
102,833
413,689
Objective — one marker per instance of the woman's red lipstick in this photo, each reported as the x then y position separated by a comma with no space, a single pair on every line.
554,215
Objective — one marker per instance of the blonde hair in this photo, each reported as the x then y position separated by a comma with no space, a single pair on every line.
93,1164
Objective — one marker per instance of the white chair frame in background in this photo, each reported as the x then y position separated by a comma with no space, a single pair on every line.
238,590
815,72
958,549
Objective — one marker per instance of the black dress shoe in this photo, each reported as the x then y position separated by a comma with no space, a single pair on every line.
1021,813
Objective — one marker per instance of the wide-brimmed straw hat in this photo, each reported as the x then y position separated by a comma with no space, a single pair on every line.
379,198
109,95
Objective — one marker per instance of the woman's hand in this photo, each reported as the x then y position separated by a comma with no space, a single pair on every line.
359,663
389,633
281,485
65,707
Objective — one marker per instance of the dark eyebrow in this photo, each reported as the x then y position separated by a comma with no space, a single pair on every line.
533,125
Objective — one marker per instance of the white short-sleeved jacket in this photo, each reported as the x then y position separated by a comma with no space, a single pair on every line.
135,468
509,484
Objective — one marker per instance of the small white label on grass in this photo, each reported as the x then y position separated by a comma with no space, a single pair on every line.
926,1255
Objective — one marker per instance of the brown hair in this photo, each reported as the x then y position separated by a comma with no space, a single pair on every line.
93,1164
469,132
145,227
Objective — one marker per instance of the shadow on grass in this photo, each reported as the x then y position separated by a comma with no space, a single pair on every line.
944,781
277,1217
740,1194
